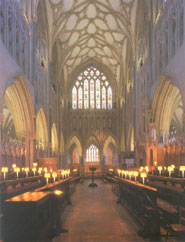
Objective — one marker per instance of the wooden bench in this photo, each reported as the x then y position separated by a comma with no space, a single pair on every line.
28,216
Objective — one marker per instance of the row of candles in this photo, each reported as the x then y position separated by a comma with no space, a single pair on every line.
143,171
47,173
170,169
130,174
62,173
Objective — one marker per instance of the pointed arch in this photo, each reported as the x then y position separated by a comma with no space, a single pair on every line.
41,129
92,140
18,101
54,138
167,107
108,141
76,141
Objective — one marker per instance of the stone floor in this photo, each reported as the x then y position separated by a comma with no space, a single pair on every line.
94,216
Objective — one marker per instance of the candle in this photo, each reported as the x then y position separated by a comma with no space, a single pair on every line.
135,175
45,169
4,170
47,176
17,170
54,175
35,164
182,169
34,170
126,173
160,169
143,176
26,170
170,169
119,172
146,169
40,170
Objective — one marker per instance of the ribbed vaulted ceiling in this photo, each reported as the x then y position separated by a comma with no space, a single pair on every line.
92,29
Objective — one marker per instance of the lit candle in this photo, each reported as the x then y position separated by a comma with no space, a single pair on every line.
119,172
13,166
34,170
182,168
170,169
160,169
45,169
26,170
35,164
143,176
47,176
4,171
141,169
40,170
17,170
54,175
135,175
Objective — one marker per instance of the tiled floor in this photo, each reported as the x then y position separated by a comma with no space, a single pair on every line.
94,216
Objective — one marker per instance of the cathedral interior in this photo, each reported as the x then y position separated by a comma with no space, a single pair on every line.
92,120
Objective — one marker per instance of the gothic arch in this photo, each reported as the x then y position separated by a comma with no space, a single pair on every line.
54,139
108,141
92,140
41,129
18,101
76,141
167,107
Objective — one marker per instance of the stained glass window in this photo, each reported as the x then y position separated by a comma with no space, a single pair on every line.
92,90
86,94
91,94
74,97
98,94
109,98
104,97
80,98
92,154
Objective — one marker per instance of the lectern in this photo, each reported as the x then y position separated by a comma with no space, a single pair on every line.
93,169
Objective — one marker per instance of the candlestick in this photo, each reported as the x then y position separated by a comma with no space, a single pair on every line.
160,169
47,176
26,170
4,170
143,176
182,169
34,170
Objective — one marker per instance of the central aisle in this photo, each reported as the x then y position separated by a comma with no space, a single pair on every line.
94,216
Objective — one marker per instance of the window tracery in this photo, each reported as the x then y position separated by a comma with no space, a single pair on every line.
92,90
92,154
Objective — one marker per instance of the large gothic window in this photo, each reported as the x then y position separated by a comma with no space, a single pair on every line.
92,90
92,154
